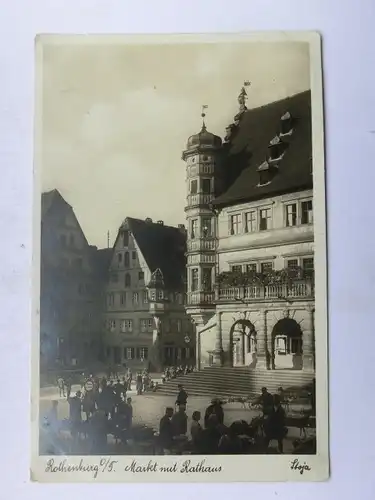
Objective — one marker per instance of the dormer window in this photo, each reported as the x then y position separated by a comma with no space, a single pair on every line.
264,174
286,124
275,149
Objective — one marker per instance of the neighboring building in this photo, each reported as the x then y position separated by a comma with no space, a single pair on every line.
69,316
145,318
250,244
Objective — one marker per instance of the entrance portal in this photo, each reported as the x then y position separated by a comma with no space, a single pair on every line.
243,344
287,345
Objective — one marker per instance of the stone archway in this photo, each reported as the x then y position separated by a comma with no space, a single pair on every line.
287,345
242,342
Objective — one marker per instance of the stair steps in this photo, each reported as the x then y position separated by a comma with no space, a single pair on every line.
235,382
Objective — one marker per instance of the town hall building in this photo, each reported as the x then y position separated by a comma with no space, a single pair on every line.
250,239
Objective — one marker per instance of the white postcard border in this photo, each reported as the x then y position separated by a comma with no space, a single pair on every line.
238,468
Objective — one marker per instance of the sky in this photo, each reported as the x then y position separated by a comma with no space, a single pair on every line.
116,118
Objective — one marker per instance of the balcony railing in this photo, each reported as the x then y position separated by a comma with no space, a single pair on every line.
200,298
199,199
296,290
201,244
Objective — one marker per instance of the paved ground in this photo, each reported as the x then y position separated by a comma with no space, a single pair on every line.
149,408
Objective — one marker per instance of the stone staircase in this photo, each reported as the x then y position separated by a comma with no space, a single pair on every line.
240,381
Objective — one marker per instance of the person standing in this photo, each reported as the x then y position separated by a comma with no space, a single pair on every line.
215,408
274,426
75,414
139,382
196,430
166,430
182,396
61,387
179,421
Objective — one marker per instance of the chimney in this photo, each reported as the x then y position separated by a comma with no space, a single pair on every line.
148,220
182,228
161,222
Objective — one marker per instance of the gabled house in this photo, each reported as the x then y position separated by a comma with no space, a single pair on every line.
69,316
145,320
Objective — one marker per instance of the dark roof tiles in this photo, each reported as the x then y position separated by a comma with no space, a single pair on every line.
163,247
248,149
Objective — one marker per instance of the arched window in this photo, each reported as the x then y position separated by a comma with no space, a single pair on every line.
126,259
127,279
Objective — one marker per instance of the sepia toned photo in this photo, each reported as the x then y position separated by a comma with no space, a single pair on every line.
180,298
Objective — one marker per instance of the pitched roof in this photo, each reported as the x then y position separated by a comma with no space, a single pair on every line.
247,150
49,198
163,247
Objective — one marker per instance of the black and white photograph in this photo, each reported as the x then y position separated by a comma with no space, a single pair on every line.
180,258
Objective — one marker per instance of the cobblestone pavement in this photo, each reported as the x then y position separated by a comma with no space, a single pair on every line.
149,408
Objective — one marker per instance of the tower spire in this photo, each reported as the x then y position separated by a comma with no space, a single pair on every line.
203,114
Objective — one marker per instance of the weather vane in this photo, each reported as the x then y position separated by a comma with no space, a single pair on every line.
203,114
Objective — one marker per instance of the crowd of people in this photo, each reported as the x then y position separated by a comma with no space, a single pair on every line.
102,407
172,372
213,436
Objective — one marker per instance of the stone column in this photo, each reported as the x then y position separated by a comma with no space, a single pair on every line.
262,341
218,353
308,342
269,353
156,356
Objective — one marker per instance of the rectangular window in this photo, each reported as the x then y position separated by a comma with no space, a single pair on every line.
250,221
207,279
178,325
206,186
143,353
145,296
291,214
119,258
150,324
153,296
160,295
307,212
123,298
130,353
194,187
112,325
126,259
194,280
264,219
235,224
111,299
167,325
134,255
125,238
144,323
141,275
251,268
292,263
266,267
135,298
236,269
126,325
206,227
308,266
194,229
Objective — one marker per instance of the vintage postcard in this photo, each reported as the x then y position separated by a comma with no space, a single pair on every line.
180,296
